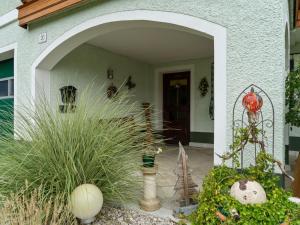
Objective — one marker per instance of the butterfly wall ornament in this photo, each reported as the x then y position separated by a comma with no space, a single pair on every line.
129,83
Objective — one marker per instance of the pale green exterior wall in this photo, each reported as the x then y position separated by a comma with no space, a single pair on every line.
255,44
8,5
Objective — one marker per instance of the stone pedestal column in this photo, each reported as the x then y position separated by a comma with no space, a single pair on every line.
150,202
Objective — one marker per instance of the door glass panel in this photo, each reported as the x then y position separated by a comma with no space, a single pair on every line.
3,88
177,82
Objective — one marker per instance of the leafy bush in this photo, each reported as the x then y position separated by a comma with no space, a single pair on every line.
292,94
20,209
100,143
215,197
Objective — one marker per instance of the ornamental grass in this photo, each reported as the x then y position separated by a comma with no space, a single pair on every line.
20,209
100,141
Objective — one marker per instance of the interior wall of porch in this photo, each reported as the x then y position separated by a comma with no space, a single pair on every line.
86,67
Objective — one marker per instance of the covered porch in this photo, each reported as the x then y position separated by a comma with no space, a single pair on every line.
167,66
175,75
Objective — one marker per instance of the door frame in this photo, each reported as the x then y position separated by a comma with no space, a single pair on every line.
164,95
158,92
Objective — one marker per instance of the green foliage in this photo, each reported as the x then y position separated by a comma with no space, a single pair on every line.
216,188
292,93
241,135
100,143
6,117
215,196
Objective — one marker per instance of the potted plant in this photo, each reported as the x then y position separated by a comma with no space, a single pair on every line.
149,156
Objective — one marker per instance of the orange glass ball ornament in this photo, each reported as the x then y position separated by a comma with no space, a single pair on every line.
252,101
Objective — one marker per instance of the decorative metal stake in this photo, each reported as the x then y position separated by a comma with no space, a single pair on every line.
252,114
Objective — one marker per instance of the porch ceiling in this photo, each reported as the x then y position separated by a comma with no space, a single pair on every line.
156,45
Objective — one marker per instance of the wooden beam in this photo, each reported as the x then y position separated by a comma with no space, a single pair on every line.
32,10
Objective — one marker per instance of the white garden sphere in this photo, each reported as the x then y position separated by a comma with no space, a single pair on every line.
86,202
248,192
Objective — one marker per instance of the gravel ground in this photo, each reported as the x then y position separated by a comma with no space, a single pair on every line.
114,216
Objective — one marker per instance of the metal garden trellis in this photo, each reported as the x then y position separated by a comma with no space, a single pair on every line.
264,120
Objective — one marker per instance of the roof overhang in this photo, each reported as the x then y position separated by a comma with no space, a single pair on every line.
32,10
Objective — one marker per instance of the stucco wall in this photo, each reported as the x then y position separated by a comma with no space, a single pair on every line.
8,5
92,73
255,43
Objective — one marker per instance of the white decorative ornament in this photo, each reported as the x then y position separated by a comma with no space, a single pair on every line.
248,192
86,202
294,200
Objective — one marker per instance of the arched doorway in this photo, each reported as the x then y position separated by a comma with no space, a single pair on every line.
130,19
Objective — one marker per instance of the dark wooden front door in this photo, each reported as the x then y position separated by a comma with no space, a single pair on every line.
176,107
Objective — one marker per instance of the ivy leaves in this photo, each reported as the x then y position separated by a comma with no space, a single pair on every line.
215,197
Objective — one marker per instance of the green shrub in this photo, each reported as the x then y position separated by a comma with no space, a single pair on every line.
100,143
292,95
215,196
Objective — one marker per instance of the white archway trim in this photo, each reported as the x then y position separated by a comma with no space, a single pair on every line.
203,26
8,18
8,51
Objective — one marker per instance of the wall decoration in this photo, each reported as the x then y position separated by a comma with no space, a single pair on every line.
203,87
211,104
68,94
112,91
129,83
110,74
68,98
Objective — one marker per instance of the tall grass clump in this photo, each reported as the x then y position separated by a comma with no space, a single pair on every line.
100,142
20,209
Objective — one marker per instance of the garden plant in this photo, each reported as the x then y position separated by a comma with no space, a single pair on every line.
216,202
215,197
292,117
100,142
34,209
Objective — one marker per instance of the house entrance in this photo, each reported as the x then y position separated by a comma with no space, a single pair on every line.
176,107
